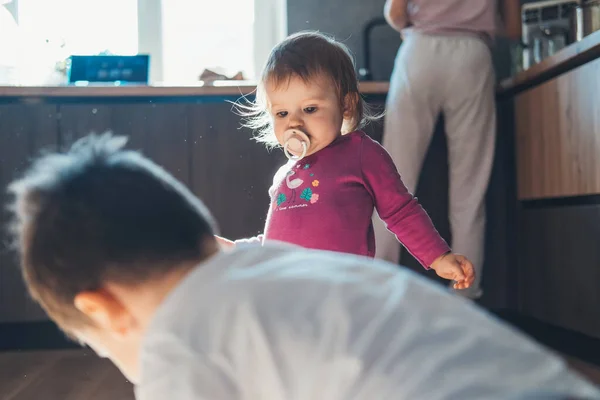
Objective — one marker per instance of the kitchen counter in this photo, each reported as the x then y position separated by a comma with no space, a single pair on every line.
569,58
549,125
219,88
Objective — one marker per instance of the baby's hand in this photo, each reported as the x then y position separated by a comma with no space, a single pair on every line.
224,243
456,268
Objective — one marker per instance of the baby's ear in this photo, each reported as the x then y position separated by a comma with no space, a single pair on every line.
351,102
105,311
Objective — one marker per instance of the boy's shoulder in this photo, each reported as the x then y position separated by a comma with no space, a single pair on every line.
252,275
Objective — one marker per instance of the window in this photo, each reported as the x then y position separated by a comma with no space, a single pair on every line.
200,34
183,37
53,30
84,26
9,48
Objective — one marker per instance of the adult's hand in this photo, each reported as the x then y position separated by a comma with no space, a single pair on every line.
396,13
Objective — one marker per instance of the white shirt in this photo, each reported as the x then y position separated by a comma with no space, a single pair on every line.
283,323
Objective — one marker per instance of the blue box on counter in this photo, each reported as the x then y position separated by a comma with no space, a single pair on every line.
109,69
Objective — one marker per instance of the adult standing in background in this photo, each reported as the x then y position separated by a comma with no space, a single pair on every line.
444,65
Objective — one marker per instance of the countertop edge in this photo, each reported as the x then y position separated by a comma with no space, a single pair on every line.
225,88
569,58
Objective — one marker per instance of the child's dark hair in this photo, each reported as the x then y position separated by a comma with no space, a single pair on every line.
99,213
307,55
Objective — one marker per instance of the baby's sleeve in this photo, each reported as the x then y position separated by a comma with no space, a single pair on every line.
397,207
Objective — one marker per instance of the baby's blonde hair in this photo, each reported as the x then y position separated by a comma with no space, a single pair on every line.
307,55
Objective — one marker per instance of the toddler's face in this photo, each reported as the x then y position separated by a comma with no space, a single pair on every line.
313,108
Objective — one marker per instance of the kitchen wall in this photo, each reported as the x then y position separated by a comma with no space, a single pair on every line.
345,19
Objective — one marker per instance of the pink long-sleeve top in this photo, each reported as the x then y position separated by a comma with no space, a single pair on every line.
326,201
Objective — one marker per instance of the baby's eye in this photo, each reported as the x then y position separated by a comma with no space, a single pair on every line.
310,110
282,114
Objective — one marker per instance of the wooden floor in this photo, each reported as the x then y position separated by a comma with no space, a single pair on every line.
81,375
61,375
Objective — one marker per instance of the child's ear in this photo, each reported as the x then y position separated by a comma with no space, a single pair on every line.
105,310
351,102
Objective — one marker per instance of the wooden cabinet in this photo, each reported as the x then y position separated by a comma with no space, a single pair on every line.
558,168
24,131
230,172
158,130
558,136
559,266
200,141
202,144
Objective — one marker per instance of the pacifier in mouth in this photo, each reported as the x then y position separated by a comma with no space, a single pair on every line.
295,144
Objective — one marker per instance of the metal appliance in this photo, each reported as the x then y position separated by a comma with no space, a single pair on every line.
547,28
585,19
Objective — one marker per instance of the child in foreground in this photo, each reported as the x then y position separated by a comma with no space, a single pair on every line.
308,102
123,258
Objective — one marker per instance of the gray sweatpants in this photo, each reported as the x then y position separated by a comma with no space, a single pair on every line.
452,75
